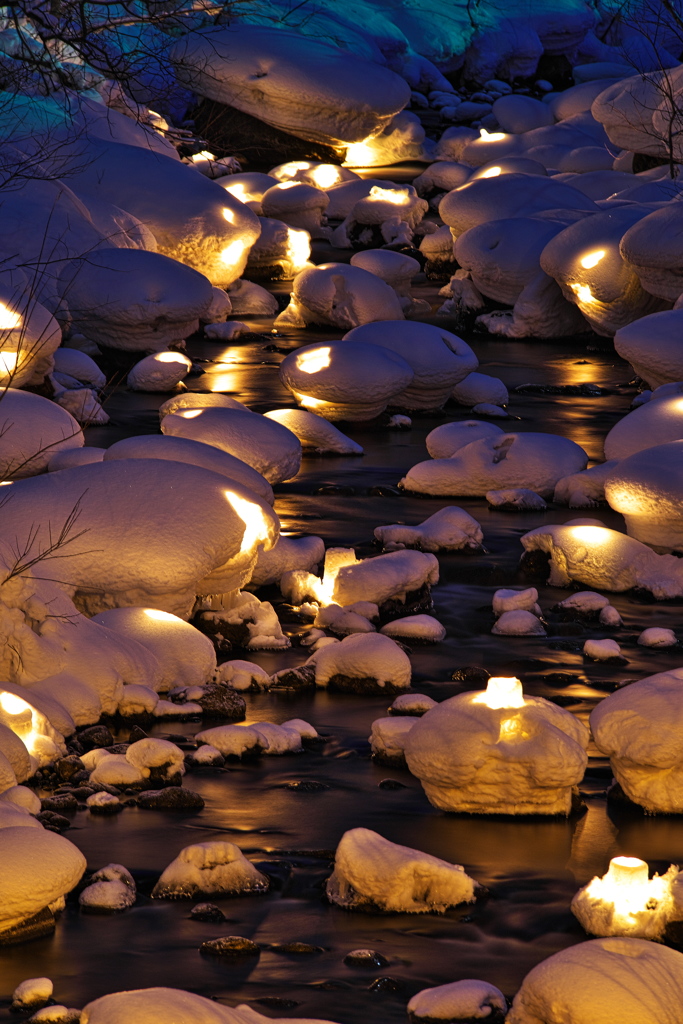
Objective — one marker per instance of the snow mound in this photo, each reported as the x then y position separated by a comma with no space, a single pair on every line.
209,869
647,426
34,430
38,868
446,439
340,295
466,1000
362,663
595,980
419,628
387,739
242,675
369,871
315,432
160,1005
449,529
652,345
265,445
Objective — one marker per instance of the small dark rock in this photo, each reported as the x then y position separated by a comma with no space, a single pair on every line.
83,792
220,701
387,985
136,733
306,786
365,958
391,784
118,748
55,822
64,803
80,777
471,674
67,767
300,948
302,678
173,798
95,736
277,1003
229,946
207,912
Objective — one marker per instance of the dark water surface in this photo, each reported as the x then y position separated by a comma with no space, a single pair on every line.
532,867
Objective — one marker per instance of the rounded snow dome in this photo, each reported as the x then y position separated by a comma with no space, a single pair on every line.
653,345
497,751
38,868
508,165
297,204
652,249
182,449
186,656
439,360
654,423
533,461
508,195
343,295
34,430
133,299
249,187
647,488
160,371
266,446
29,336
199,400
319,174
604,980
446,439
345,379
586,262
395,268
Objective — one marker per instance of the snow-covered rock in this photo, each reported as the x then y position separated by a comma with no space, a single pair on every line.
183,449
497,751
280,252
413,704
29,336
288,555
111,889
648,426
513,600
465,1001
134,300
385,216
232,740
34,430
345,380
649,248
449,529
481,389
315,431
518,622
39,867
387,739
344,196
592,981
186,657
370,871
32,993
646,488
156,758
397,269
418,628
624,901
265,445
656,636
209,869
585,489
340,97
529,460
161,371
197,400
137,551
652,345
137,700
602,650
79,698
446,439
340,295
439,359
362,663
158,1005
297,204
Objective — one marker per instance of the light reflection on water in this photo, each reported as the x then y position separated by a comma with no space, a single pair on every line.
531,867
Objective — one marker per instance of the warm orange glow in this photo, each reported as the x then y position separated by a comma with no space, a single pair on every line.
592,534
325,175
313,361
485,136
399,197
298,248
582,292
232,253
8,318
190,414
229,215
204,155
256,526
311,403
492,172
501,692
154,613
8,362
627,886
359,154
592,259
172,357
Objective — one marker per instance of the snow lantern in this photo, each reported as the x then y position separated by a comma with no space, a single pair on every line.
626,901
498,751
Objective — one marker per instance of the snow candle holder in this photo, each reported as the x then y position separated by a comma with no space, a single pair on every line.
498,751
625,901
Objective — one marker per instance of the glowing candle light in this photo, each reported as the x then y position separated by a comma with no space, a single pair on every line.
8,318
313,361
501,692
491,172
583,292
256,529
485,136
399,197
593,258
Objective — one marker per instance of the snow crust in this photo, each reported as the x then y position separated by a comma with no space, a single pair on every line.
209,869
449,529
459,1000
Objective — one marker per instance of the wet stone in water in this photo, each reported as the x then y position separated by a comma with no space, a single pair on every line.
230,946
365,958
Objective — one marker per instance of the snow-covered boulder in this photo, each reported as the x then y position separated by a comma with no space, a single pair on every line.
638,728
345,380
248,187
297,204
460,1001
385,216
586,262
518,114
232,740
134,549
387,739
34,430
516,600
439,359
81,699
515,499
530,460
280,252
183,449
287,555
161,371
340,97
625,901
648,426
134,300
478,389
70,457
12,746
423,629
518,622
656,636
613,978
654,347
159,1005
265,445
39,867
584,489
508,195
585,551
397,269
650,249
497,751
71,362
340,295
635,111
315,431
186,657
371,872
111,889
242,675
446,439
209,869
412,704
344,196
192,219
404,138
440,177
647,489
199,400
362,663
245,620
449,529
29,335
